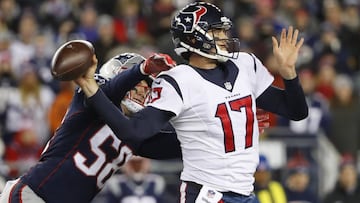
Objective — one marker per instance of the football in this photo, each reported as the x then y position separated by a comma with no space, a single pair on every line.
72,59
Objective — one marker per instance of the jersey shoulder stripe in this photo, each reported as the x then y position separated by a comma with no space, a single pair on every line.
247,60
177,75
254,58
173,83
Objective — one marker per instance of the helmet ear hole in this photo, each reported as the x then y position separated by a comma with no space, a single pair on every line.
192,40
186,55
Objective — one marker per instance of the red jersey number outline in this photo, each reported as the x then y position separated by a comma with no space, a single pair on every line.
155,95
222,113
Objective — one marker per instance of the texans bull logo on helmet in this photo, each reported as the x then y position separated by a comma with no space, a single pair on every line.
192,30
189,19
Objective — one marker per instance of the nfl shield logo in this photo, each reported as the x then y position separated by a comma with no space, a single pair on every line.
228,85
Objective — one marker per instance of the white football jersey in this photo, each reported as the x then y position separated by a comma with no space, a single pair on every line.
216,124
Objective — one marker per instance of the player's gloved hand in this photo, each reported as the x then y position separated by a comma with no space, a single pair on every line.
156,63
263,119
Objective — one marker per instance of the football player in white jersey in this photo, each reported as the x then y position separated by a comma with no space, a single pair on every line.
211,102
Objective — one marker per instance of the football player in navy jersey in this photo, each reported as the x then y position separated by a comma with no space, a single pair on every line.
211,102
84,152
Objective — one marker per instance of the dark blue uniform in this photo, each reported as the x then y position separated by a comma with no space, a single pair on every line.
84,153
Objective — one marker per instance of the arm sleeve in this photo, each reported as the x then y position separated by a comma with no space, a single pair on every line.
142,125
163,145
117,87
290,103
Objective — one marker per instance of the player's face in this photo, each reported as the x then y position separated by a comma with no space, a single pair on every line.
221,37
135,98
139,92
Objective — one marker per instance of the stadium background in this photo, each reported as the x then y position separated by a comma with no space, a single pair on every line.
32,103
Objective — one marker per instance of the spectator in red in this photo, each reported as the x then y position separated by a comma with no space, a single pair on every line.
325,79
160,18
130,26
22,153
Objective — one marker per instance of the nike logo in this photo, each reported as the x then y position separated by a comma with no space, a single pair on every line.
157,82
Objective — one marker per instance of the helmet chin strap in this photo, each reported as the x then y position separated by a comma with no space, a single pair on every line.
217,57
132,106
222,55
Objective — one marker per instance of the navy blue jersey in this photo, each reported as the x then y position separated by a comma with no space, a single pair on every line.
84,152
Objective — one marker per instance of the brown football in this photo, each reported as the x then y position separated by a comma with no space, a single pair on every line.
72,59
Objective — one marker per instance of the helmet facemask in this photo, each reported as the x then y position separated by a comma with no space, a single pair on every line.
135,99
222,46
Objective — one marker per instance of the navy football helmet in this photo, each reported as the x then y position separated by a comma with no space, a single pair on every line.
191,31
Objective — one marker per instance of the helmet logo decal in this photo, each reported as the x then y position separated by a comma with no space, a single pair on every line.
189,19
198,13
124,58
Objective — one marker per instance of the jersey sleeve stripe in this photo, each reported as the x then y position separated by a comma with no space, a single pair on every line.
252,55
173,83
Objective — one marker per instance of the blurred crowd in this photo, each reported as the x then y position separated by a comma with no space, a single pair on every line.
32,104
